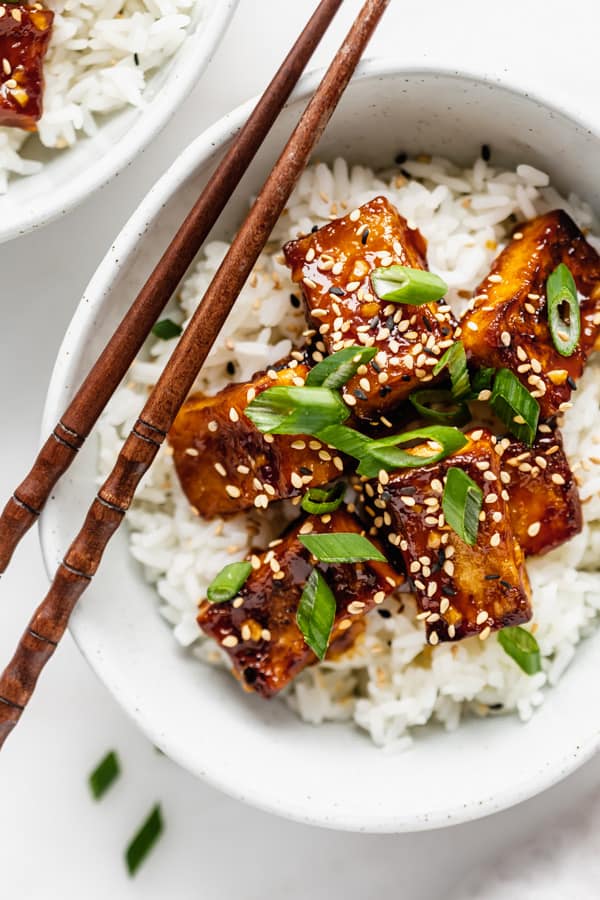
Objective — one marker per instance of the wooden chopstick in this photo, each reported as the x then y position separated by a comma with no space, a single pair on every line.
61,447
106,513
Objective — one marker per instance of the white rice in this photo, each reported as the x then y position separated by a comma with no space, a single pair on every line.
100,56
391,681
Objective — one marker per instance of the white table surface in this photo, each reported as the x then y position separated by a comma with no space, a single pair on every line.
55,841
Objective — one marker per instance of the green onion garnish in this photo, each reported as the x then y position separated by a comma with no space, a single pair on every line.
341,547
335,370
481,381
319,501
166,329
345,439
521,645
461,503
104,775
228,582
561,289
144,840
296,410
401,284
456,360
515,406
428,401
316,613
384,454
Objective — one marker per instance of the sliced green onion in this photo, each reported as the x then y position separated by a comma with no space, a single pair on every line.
104,775
335,370
521,646
427,400
561,289
346,440
401,284
456,360
461,503
384,454
319,501
228,582
481,381
296,410
515,406
166,329
144,840
341,547
316,613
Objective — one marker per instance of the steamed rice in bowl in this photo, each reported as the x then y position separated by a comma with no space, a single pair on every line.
99,61
390,681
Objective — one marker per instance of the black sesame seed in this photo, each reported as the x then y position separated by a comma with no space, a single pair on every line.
506,584
136,59
390,322
405,173
492,577
571,382
304,470
360,395
406,378
384,613
385,496
496,706
374,322
295,301
427,323
337,291
230,368
450,590
441,555
409,489
486,153
314,228
384,390
400,159
445,330
375,366
364,236
250,675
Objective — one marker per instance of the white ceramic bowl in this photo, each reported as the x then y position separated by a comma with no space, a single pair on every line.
258,751
70,176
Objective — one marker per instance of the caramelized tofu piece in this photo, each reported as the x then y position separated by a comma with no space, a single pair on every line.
258,628
333,265
461,590
508,324
24,37
226,465
545,509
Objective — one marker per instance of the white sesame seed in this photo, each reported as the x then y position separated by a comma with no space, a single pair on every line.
433,639
230,641
481,617
220,468
485,633
354,215
444,605
495,539
356,607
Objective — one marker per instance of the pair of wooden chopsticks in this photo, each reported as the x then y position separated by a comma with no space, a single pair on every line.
106,513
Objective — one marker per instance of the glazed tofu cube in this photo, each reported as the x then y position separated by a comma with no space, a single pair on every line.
461,590
545,509
24,37
258,628
508,324
333,265
226,465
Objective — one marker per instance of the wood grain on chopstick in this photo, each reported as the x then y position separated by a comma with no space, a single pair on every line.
106,512
61,447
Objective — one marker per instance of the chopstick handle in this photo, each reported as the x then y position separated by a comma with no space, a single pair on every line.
24,507
107,510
